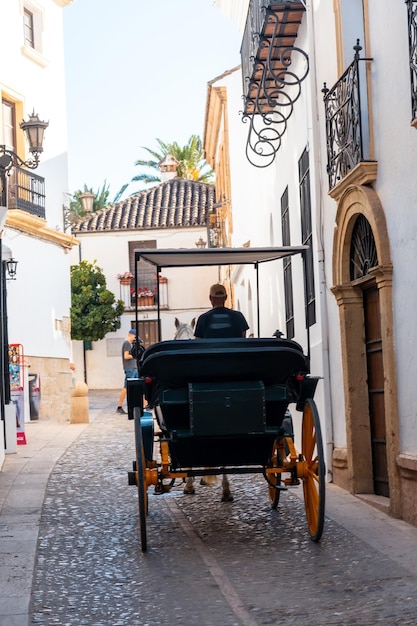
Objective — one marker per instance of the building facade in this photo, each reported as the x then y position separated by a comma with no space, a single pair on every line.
32,79
332,143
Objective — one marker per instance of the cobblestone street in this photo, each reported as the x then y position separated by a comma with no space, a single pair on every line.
208,563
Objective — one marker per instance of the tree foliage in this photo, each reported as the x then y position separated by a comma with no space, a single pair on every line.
94,309
191,162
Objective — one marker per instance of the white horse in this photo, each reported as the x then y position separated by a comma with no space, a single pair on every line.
186,331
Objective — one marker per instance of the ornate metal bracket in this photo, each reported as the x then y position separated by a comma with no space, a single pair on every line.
9,159
274,86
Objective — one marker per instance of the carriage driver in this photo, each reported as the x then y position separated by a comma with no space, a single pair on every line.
220,322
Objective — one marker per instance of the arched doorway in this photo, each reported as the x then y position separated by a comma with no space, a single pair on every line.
363,259
362,277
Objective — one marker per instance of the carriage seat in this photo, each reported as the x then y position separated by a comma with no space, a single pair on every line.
178,363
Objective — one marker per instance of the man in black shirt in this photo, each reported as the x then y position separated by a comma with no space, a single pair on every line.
220,322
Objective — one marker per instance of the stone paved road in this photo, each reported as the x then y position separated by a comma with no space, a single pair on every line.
208,563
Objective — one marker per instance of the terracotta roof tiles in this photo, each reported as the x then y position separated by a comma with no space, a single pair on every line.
176,203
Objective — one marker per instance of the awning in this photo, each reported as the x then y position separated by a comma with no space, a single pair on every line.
184,257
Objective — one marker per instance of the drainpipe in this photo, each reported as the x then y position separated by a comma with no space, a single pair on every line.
316,96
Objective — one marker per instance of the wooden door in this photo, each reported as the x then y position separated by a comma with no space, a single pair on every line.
375,367
148,331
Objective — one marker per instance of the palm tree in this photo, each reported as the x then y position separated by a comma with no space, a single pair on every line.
191,162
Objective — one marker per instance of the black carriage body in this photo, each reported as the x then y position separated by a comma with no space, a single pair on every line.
222,402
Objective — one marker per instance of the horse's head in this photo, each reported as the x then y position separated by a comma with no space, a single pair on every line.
184,331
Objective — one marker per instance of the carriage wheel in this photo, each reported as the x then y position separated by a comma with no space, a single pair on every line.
274,480
142,490
314,475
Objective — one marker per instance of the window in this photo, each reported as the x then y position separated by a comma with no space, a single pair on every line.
33,23
146,272
286,241
307,237
28,29
363,254
8,115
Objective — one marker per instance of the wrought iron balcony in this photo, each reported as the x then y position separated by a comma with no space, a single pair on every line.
347,125
272,71
146,295
26,191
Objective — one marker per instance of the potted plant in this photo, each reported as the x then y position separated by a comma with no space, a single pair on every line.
145,297
125,278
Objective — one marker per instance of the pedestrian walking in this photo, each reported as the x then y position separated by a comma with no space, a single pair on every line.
129,367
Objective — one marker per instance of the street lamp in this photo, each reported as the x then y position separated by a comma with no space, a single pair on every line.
34,130
11,265
200,243
87,200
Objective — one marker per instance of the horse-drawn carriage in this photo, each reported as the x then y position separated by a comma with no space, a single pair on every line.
221,405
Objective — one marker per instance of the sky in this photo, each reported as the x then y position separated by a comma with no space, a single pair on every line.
137,70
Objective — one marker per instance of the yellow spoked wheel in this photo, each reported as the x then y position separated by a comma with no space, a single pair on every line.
274,480
141,481
312,470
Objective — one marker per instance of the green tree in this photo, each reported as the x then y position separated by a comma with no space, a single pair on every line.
191,162
94,309
75,211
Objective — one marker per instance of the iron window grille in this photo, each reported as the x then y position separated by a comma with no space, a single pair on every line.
363,253
287,267
307,237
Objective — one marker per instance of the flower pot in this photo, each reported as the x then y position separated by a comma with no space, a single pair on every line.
125,281
146,301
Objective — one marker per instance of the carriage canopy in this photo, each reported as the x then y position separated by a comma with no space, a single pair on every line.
185,257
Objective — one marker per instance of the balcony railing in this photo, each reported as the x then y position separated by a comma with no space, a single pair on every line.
347,126
26,191
146,295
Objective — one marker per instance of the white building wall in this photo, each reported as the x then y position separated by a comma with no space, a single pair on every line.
38,301
41,292
38,297
396,153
